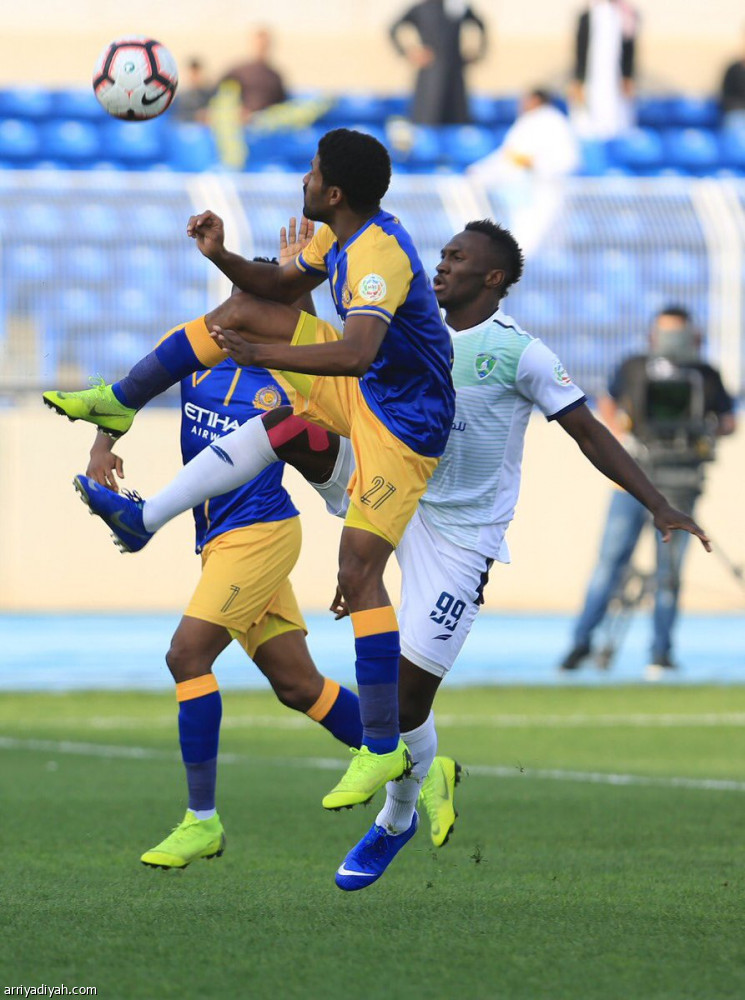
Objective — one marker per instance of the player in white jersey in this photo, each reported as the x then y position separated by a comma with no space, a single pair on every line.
499,372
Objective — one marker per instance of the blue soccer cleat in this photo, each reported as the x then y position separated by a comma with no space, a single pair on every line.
367,860
121,511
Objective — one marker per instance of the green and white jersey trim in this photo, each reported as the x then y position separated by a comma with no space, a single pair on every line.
500,372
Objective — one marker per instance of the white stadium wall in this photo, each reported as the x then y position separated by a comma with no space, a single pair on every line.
683,45
53,556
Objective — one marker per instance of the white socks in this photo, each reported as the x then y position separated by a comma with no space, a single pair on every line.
398,811
226,464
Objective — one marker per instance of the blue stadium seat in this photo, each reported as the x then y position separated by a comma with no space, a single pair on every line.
88,264
536,309
78,103
462,145
39,220
19,141
640,149
93,220
594,158
691,148
617,269
132,304
654,112
679,267
27,103
191,147
71,142
732,147
484,109
146,267
351,108
396,105
425,149
137,144
694,112
33,262
506,109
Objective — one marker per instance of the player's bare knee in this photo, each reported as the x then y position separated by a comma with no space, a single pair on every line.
233,313
185,663
296,693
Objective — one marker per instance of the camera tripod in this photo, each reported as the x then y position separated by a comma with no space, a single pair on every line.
636,590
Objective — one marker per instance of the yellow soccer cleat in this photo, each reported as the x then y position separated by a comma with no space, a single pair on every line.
437,798
193,838
366,774
98,405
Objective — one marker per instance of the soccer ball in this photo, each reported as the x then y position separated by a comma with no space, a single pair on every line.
135,78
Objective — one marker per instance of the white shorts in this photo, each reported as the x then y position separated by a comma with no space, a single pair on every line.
441,592
441,583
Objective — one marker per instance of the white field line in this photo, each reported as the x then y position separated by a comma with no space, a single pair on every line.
445,721
333,764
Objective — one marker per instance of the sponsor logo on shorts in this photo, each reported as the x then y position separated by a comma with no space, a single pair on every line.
373,288
268,398
485,365
561,375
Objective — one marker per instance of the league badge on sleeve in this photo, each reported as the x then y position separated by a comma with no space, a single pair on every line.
373,288
485,365
561,375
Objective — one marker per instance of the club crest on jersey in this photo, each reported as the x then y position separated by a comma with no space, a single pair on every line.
485,365
373,288
268,398
561,375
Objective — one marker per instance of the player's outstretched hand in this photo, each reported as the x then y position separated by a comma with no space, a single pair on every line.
104,466
339,606
667,519
294,239
209,232
234,346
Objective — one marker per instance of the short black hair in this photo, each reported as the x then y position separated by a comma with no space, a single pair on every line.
506,248
680,312
541,94
358,164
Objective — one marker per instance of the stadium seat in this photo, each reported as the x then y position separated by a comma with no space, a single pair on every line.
732,148
654,112
191,147
640,149
79,104
462,145
506,109
19,141
484,109
89,265
694,112
351,108
536,309
425,148
137,144
39,220
679,267
93,220
27,103
70,142
692,149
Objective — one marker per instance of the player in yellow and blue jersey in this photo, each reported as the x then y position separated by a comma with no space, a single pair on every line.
249,541
385,384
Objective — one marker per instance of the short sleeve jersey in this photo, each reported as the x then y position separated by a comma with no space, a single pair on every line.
214,403
500,373
378,273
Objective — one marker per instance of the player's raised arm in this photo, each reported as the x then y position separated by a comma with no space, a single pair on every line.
350,356
279,284
610,458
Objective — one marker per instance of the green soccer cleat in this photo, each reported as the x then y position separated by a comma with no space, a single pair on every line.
193,838
98,405
366,774
437,798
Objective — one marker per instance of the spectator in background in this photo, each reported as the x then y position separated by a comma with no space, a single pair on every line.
667,406
193,94
733,94
603,83
538,152
440,93
261,85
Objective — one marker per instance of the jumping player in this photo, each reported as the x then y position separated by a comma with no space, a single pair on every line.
500,372
386,385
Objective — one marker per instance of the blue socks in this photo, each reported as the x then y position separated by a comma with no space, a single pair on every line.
199,717
378,647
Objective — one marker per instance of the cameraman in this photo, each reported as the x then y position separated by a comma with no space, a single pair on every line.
668,406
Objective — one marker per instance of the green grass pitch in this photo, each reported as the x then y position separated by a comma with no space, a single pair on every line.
559,882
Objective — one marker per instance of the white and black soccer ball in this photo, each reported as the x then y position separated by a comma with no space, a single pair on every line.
135,78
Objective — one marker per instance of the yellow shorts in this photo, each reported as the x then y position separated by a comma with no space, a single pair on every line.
390,478
245,584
